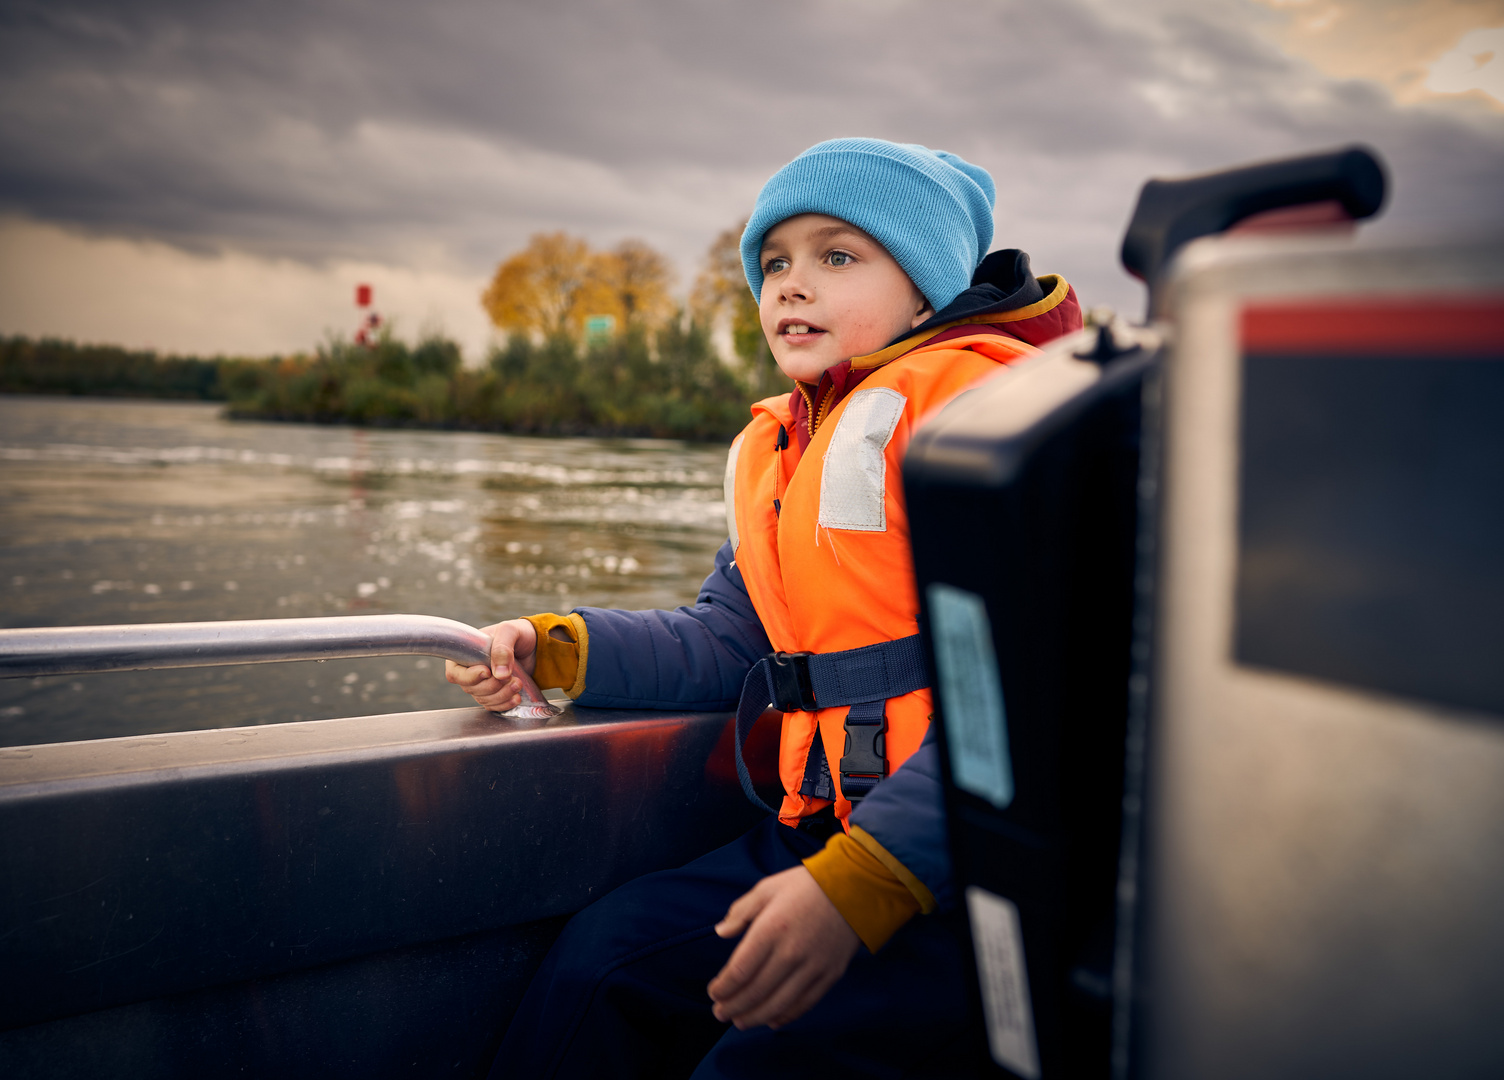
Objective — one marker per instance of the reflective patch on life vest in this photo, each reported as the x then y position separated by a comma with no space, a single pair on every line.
853,482
730,488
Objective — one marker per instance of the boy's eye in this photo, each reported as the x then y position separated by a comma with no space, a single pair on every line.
774,265
839,258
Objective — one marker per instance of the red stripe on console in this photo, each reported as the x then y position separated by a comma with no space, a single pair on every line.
1375,326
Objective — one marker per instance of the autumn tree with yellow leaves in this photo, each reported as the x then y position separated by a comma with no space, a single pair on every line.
557,282
639,280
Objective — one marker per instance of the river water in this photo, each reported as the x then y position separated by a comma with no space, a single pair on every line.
125,511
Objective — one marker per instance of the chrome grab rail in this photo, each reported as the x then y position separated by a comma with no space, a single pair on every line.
78,650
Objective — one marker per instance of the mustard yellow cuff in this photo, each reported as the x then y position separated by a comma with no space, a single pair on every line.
560,661
920,890
871,898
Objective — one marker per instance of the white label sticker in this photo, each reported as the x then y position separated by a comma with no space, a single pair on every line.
971,694
999,945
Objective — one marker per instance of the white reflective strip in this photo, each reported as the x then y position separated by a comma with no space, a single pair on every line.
854,479
730,488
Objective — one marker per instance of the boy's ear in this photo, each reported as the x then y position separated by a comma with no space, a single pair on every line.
924,313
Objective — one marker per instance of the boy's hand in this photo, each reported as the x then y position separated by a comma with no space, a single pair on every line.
797,946
495,688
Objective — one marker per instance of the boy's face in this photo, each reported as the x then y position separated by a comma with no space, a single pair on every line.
831,292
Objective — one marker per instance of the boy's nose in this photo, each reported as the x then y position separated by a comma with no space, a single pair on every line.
794,288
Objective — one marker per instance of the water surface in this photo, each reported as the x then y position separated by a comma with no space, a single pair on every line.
124,511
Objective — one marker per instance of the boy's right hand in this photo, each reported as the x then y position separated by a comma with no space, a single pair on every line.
513,642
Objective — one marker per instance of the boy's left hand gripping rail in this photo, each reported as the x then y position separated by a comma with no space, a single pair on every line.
77,650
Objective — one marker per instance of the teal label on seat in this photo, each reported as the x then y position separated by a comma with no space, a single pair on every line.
971,693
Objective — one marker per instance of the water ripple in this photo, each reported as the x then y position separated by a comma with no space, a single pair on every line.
542,472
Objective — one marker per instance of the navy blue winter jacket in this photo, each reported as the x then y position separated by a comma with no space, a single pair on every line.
696,658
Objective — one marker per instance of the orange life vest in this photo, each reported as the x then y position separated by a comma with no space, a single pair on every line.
824,549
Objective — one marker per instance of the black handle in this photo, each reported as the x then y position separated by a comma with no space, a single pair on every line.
1171,213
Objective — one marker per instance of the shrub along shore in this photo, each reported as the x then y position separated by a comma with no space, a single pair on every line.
669,385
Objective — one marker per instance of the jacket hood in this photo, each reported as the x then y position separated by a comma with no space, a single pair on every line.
1002,282
1005,293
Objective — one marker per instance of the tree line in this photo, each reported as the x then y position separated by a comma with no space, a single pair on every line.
50,366
670,386
595,343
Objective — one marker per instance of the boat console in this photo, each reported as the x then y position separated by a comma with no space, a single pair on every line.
1219,649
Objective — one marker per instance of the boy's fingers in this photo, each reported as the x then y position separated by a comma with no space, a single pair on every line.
465,676
793,952
801,987
475,680
503,695
495,694
508,639
811,991
747,962
732,980
741,913
733,922
782,1002
501,658
756,966
747,1005
494,685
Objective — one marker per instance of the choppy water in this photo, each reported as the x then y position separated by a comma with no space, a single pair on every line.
124,511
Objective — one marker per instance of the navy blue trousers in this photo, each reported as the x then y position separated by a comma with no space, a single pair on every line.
622,992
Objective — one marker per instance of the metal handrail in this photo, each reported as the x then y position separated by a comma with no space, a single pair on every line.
78,650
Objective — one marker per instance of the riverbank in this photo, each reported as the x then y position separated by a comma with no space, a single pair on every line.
52,366
669,385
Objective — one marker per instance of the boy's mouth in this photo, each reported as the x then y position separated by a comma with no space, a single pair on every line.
795,329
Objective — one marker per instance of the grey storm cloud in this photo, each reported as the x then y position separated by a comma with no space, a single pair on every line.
449,131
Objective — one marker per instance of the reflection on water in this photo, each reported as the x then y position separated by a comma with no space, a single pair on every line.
121,511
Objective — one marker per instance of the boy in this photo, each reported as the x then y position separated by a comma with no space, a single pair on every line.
866,258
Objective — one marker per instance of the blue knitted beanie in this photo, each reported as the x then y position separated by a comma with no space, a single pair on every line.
931,210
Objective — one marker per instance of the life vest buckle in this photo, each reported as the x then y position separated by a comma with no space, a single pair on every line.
792,689
864,763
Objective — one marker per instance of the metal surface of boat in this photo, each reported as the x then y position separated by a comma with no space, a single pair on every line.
356,896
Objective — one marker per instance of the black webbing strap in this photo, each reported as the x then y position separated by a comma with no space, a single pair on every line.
757,695
863,678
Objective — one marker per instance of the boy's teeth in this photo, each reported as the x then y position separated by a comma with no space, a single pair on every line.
799,329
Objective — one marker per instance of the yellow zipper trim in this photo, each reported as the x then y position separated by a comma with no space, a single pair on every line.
1054,282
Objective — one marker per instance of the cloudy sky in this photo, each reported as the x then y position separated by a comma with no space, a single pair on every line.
216,177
